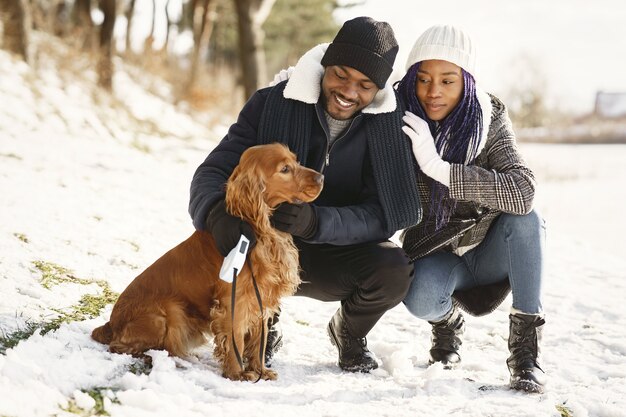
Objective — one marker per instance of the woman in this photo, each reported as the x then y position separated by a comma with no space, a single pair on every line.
480,236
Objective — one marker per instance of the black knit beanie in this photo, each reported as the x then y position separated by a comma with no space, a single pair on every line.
366,45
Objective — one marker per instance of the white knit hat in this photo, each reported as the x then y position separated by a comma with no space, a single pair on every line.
447,43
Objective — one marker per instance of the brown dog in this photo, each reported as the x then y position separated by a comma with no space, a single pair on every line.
180,297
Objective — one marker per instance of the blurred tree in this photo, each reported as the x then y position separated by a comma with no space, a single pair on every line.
528,108
15,27
223,42
149,41
168,26
525,96
105,55
294,26
227,34
50,15
251,14
203,12
129,13
82,25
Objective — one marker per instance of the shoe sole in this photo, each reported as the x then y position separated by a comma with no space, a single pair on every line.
446,366
528,386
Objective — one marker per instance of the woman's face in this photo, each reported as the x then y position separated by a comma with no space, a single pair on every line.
439,87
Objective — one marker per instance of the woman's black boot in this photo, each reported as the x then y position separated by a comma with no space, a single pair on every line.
524,338
446,339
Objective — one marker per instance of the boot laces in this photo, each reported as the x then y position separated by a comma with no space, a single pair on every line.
361,341
524,349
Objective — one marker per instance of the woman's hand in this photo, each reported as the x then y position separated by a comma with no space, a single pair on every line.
424,149
282,75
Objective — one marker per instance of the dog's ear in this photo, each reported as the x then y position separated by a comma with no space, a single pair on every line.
244,194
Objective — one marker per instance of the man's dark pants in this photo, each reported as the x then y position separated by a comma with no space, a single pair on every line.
368,279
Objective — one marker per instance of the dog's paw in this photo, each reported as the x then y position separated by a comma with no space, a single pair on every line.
252,376
269,375
241,376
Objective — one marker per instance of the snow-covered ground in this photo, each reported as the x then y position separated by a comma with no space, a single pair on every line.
102,190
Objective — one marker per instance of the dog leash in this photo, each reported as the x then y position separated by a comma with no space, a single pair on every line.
232,318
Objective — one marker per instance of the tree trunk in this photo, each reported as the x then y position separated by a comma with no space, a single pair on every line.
250,17
203,19
168,23
105,61
16,25
83,24
149,41
130,11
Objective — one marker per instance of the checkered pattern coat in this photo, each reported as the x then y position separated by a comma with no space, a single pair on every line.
497,181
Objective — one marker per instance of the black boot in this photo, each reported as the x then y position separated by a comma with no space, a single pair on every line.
274,339
353,353
446,339
524,338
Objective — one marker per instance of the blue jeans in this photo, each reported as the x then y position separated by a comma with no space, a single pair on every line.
513,249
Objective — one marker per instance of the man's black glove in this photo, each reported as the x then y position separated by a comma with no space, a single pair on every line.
297,219
227,229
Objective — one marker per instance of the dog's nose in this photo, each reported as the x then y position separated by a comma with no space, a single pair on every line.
319,178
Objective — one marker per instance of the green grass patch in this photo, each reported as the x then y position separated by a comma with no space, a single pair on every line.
10,340
142,147
141,366
134,245
302,322
565,412
11,155
53,274
98,394
88,307
21,236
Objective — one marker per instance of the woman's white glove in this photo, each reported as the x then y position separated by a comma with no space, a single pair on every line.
424,149
283,74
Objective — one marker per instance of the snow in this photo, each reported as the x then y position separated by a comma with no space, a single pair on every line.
87,186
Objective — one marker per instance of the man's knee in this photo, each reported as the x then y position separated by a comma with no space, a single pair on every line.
393,270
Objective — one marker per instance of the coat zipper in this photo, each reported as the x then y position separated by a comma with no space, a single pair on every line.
328,145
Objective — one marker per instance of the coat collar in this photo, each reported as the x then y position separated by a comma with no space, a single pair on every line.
305,83
485,104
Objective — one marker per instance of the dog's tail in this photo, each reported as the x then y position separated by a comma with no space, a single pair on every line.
103,334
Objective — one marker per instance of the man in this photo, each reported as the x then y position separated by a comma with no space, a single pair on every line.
339,114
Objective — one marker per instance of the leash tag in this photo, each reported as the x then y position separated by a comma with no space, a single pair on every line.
233,262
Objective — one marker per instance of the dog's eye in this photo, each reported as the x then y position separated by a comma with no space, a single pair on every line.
285,169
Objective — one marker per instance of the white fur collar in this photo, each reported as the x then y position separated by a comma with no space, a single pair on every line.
485,104
305,83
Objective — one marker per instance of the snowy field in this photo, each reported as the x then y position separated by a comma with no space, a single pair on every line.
88,187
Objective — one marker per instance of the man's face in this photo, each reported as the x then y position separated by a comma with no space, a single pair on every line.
346,91
439,87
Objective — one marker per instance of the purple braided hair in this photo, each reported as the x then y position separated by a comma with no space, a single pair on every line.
458,135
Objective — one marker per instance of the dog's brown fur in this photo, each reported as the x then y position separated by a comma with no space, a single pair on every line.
180,297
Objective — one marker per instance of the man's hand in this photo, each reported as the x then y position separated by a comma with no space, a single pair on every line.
227,229
296,219
424,149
